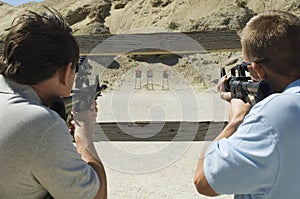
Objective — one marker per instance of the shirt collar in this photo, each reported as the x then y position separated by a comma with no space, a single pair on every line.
293,87
12,87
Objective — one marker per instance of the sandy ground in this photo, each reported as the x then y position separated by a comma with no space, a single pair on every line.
152,170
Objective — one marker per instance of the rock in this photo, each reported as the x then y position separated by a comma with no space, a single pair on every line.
160,3
77,15
119,4
232,17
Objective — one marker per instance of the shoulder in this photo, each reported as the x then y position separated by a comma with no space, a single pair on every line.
37,121
41,115
277,113
278,103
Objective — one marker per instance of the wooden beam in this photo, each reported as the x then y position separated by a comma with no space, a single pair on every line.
158,131
157,43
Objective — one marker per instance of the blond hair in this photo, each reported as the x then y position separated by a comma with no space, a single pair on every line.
272,38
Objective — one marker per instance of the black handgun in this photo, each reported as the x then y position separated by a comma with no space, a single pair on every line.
82,96
242,87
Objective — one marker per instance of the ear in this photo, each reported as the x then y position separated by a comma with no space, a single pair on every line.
259,70
65,74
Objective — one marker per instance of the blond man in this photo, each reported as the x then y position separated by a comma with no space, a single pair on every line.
256,155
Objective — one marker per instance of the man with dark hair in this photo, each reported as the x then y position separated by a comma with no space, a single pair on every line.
255,156
37,156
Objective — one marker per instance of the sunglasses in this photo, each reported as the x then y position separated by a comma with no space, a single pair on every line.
77,68
245,65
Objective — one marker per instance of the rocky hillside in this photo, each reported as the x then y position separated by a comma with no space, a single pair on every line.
119,16
90,17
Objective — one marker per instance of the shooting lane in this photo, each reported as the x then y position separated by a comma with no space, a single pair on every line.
161,162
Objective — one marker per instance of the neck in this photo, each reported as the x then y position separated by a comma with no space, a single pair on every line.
47,90
46,99
280,84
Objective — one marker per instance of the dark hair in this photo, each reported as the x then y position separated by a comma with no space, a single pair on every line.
273,36
36,46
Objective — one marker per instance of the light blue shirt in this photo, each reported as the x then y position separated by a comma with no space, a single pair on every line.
262,158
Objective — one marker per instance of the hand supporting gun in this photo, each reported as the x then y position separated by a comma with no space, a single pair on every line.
240,86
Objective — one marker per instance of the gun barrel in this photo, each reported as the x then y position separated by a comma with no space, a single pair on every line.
99,89
78,101
241,85
82,99
260,89
250,87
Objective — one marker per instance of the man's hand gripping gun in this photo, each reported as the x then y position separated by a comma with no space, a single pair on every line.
240,86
